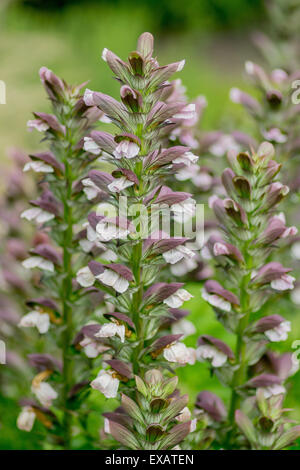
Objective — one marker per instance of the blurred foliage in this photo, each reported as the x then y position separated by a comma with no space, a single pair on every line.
174,15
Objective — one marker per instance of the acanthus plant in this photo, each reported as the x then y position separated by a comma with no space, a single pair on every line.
15,286
132,334
275,114
249,282
59,307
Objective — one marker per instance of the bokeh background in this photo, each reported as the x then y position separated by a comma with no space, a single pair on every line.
67,36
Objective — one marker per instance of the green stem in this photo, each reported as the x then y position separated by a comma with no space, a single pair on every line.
136,302
239,376
66,298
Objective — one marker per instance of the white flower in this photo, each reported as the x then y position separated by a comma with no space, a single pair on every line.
109,330
40,320
126,149
220,249
91,348
106,230
26,419
183,267
285,282
179,352
184,210
38,215
187,172
272,390
44,393
187,158
91,146
177,254
216,301
202,180
90,189
280,332
38,167
37,124
114,280
38,262
184,327
188,112
178,298
106,383
85,277
276,135
119,184
184,415
207,351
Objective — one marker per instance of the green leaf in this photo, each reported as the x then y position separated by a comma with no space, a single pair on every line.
287,438
246,426
123,436
131,408
175,436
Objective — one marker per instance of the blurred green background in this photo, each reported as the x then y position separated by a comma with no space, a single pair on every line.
68,36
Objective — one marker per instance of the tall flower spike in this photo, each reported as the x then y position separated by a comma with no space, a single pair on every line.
63,165
248,281
141,163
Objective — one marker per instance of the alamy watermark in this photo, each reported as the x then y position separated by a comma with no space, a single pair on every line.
2,92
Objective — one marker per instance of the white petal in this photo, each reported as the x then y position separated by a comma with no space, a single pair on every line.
119,184
43,323
44,393
29,320
106,384
46,265
38,167
108,277
184,327
31,214
279,333
216,301
38,262
44,217
91,146
121,285
26,419
85,277
209,352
